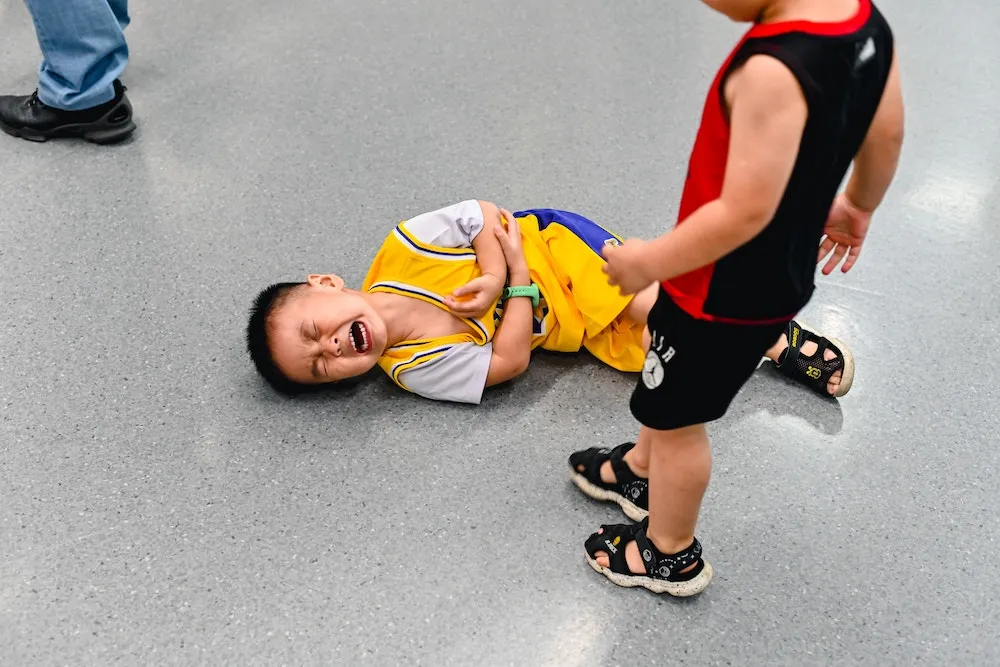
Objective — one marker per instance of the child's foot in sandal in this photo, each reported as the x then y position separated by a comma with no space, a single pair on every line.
626,556
824,365
606,474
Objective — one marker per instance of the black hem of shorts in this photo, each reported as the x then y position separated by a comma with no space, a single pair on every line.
676,423
694,367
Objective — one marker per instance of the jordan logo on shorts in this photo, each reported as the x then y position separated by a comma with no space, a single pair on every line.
659,354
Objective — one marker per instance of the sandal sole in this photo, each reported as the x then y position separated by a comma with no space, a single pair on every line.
677,589
847,375
630,509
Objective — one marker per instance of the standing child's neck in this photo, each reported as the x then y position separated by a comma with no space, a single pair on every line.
817,11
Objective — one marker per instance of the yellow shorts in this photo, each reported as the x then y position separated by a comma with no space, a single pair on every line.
579,308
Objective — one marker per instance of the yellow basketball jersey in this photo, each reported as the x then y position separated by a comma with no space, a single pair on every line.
430,256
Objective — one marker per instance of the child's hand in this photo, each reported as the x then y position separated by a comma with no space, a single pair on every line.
626,266
513,251
846,228
484,291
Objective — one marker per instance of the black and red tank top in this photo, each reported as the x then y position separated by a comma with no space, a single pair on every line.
842,69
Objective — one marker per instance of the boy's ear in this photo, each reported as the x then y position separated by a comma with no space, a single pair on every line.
325,280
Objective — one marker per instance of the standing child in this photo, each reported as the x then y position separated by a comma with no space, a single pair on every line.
811,88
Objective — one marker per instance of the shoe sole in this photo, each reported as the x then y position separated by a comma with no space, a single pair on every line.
846,375
677,589
102,131
103,136
630,509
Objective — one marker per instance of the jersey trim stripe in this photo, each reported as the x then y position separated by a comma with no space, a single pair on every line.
433,251
408,290
415,361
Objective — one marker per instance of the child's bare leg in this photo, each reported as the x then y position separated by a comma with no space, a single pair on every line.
680,467
638,309
638,457
680,464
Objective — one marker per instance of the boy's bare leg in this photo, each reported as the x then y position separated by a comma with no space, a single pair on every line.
638,309
680,468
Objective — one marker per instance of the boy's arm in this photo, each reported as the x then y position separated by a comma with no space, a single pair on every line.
876,162
768,114
512,341
489,254
475,298
874,168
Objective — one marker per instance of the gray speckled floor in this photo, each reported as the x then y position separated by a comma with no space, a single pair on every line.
160,507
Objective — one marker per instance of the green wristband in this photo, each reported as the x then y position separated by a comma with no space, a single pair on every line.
523,290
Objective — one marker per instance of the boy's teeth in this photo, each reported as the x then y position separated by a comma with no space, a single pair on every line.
359,337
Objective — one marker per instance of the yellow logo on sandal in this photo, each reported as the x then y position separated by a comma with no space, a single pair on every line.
813,372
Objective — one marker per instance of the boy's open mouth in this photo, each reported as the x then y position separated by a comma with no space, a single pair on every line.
361,338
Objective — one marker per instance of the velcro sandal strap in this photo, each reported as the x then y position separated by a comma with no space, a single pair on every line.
592,459
612,541
659,565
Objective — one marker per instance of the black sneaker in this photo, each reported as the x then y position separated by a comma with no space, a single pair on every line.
630,491
29,118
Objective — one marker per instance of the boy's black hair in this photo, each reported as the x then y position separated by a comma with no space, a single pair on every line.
265,305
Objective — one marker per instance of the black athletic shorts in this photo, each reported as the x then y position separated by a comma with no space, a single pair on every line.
695,367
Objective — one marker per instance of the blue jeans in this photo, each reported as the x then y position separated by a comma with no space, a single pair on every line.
83,50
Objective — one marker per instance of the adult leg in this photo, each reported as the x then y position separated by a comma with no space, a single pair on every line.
120,8
79,94
83,51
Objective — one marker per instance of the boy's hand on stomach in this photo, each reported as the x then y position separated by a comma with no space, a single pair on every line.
475,298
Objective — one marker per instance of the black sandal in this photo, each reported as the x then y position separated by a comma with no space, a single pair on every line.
816,370
630,491
663,572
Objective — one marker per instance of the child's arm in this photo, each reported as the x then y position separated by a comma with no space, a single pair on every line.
875,164
476,297
489,254
768,114
874,168
512,341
